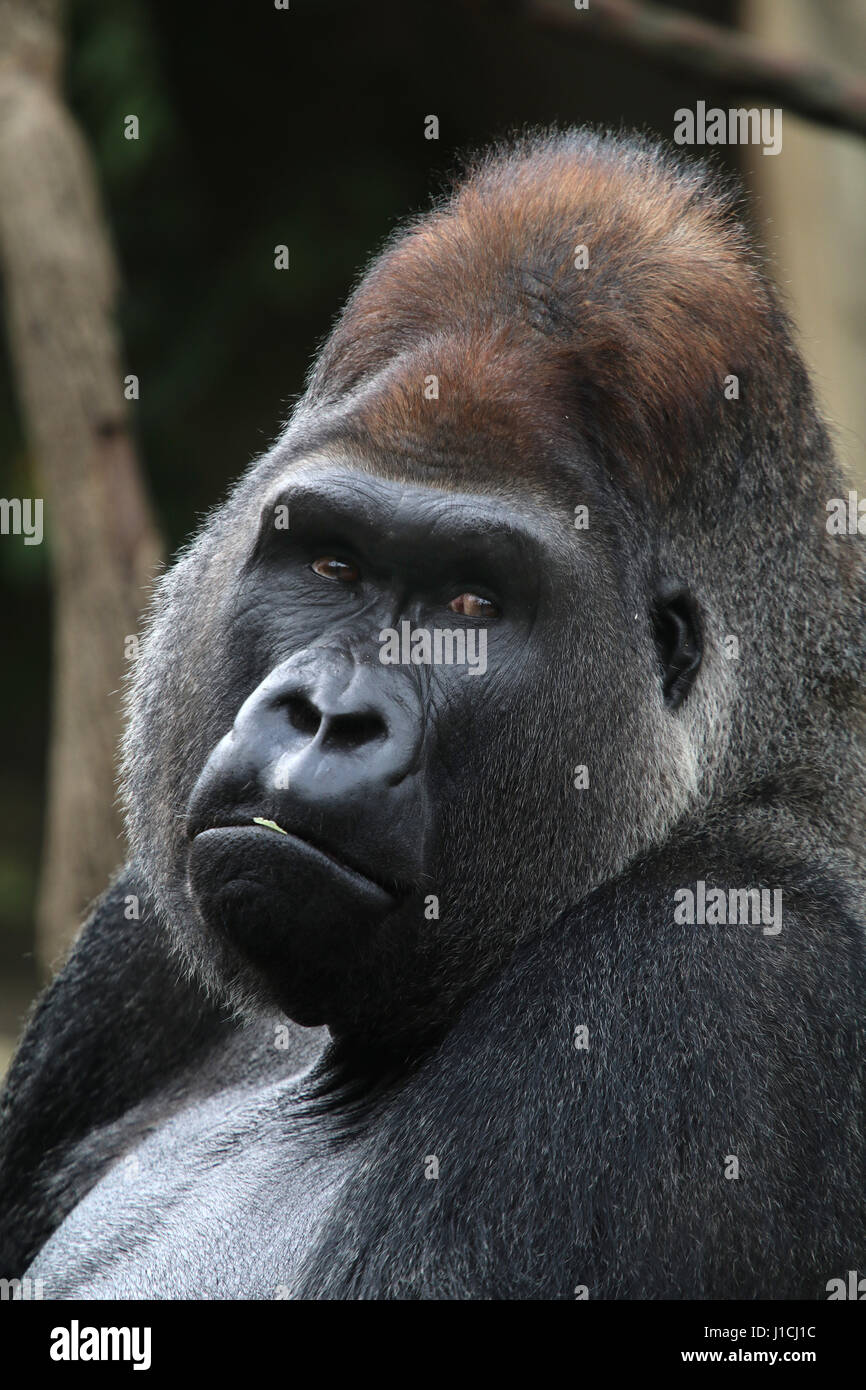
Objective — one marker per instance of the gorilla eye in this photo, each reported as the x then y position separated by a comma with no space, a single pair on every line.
474,606
331,568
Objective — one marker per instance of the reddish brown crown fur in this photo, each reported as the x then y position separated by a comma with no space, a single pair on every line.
631,352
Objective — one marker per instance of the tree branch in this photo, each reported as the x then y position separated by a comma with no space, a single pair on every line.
819,91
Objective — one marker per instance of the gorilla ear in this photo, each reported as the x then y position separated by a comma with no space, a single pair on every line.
677,631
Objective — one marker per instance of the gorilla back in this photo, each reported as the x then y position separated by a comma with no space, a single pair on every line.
493,777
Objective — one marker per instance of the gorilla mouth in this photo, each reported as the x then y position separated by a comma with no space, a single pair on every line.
294,844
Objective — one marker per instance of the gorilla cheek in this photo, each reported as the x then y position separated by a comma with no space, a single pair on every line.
294,914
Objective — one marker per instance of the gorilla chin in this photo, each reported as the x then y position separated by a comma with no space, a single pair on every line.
287,907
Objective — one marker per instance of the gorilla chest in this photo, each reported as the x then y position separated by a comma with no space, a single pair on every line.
222,1202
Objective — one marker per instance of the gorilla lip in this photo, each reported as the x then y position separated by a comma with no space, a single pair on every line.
288,838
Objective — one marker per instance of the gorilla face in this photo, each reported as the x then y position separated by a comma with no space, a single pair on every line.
316,824
319,847
356,839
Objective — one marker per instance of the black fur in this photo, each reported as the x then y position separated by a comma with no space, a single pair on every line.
553,1086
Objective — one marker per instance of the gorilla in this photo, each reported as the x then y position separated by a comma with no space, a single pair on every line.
493,926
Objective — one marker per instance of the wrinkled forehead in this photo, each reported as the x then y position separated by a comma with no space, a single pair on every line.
342,490
475,425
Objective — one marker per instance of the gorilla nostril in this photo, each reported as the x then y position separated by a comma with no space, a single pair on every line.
342,731
303,715
354,730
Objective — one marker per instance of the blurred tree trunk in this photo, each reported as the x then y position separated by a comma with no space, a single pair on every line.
60,282
813,196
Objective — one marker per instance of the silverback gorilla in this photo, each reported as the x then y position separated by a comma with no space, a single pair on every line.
532,976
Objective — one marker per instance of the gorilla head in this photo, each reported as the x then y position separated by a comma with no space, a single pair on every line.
553,434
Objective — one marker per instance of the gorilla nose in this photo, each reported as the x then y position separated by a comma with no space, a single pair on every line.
350,729
328,749
328,731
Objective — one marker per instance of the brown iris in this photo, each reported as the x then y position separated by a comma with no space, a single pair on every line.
329,567
473,606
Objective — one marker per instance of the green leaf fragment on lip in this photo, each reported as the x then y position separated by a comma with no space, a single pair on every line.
269,825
